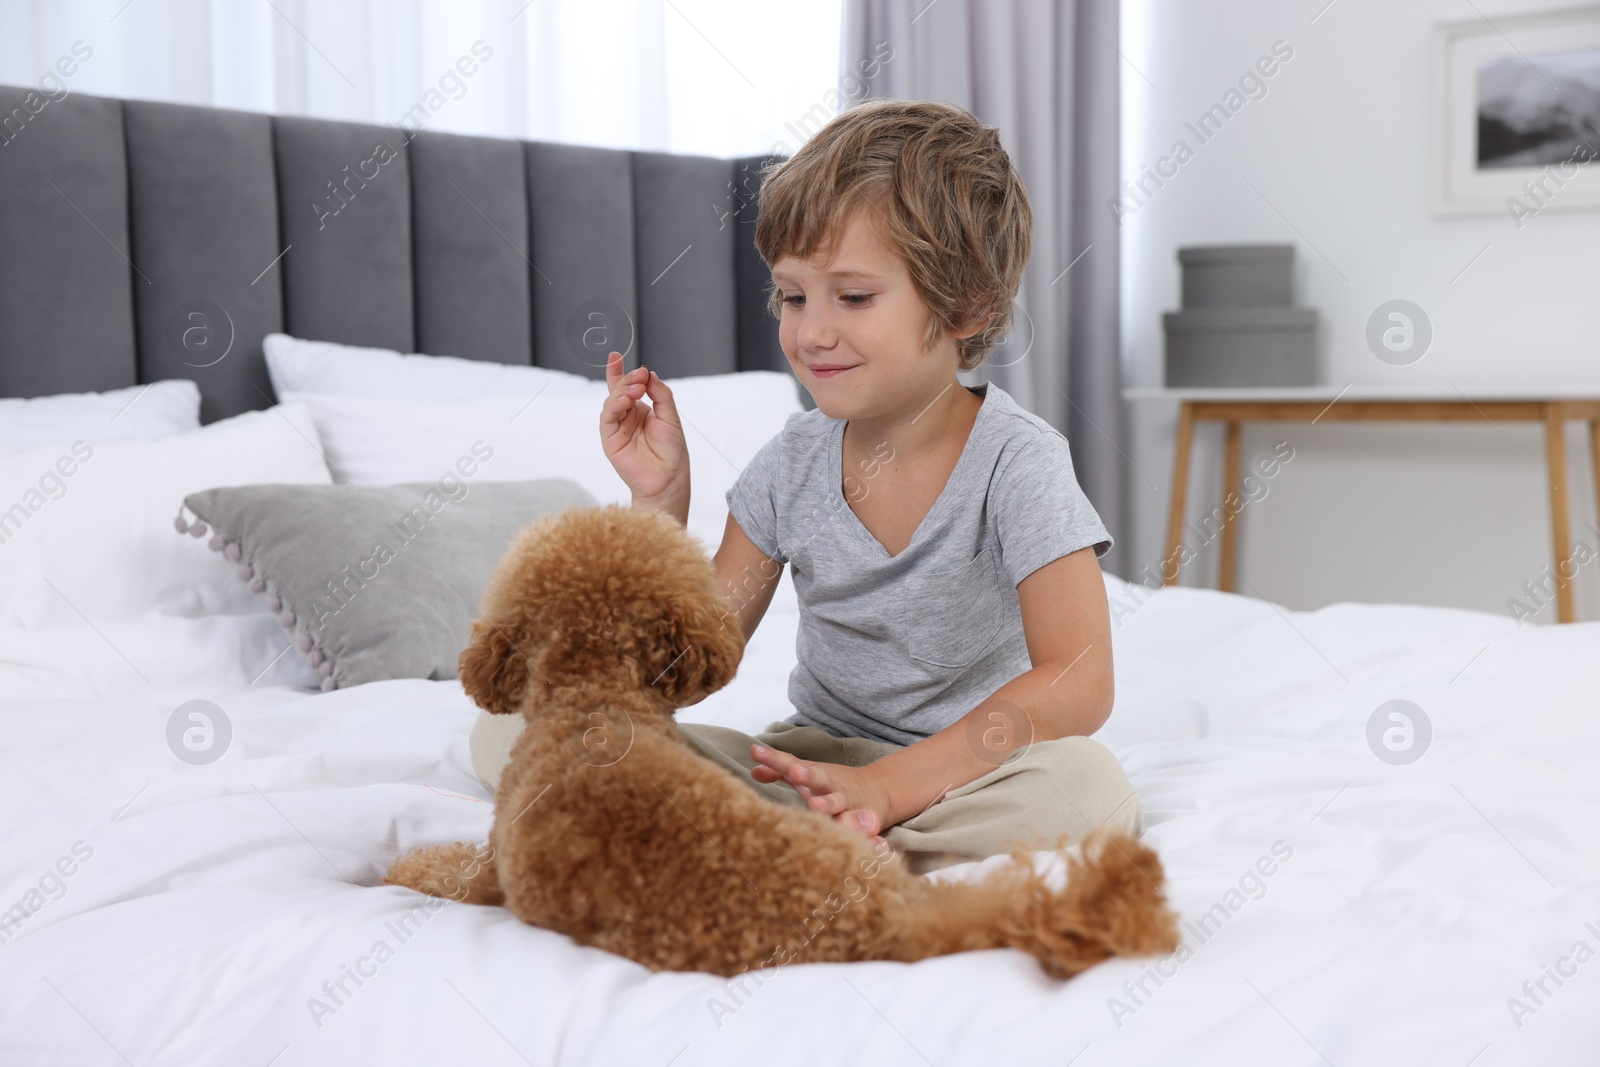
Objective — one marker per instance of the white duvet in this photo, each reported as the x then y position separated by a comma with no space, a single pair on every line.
1339,909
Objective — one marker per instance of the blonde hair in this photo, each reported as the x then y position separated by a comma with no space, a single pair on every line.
945,196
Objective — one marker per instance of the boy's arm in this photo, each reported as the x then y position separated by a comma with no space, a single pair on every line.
1069,690
674,501
746,576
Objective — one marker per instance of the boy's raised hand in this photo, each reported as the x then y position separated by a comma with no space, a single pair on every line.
644,442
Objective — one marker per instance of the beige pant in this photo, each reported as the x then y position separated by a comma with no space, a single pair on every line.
1071,785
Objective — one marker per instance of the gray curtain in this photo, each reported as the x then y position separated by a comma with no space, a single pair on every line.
1045,74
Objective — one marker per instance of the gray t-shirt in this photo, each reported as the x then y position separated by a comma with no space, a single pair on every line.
896,648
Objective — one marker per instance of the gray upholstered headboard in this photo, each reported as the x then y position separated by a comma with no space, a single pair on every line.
120,217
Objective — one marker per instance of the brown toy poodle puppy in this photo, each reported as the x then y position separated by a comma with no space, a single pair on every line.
599,623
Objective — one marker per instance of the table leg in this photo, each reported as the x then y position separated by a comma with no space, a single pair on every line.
1555,450
1180,492
1230,530
1594,461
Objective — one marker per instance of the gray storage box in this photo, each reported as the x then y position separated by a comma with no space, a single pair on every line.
1237,275
1243,346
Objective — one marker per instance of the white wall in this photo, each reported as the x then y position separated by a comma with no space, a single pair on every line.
1452,515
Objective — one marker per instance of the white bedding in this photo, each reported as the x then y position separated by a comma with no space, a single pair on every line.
215,901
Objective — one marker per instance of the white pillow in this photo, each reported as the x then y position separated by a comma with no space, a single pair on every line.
143,412
727,418
297,366
86,528
151,656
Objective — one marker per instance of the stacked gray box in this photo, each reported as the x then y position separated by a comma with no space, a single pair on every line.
1239,325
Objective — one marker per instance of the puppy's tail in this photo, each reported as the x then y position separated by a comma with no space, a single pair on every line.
1112,906
458,871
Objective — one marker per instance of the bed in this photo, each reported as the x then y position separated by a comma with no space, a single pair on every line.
1356,887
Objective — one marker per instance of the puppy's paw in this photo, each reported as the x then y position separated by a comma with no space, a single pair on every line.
458,871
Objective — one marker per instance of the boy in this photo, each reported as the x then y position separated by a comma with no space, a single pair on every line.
954,646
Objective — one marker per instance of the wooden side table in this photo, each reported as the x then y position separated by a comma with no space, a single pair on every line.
1552,406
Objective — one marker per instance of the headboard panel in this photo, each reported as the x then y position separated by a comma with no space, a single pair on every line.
684,262
347,272
142,240
580,201
203,211
66,286
470,221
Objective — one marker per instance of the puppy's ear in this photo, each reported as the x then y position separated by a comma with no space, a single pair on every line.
701,653
493,670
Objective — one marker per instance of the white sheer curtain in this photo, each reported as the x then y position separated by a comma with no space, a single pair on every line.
714,77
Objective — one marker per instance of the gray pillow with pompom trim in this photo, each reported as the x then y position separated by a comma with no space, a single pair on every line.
375,582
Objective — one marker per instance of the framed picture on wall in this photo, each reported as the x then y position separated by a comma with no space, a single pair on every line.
1517,114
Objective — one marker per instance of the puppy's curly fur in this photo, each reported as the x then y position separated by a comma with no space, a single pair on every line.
599,623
